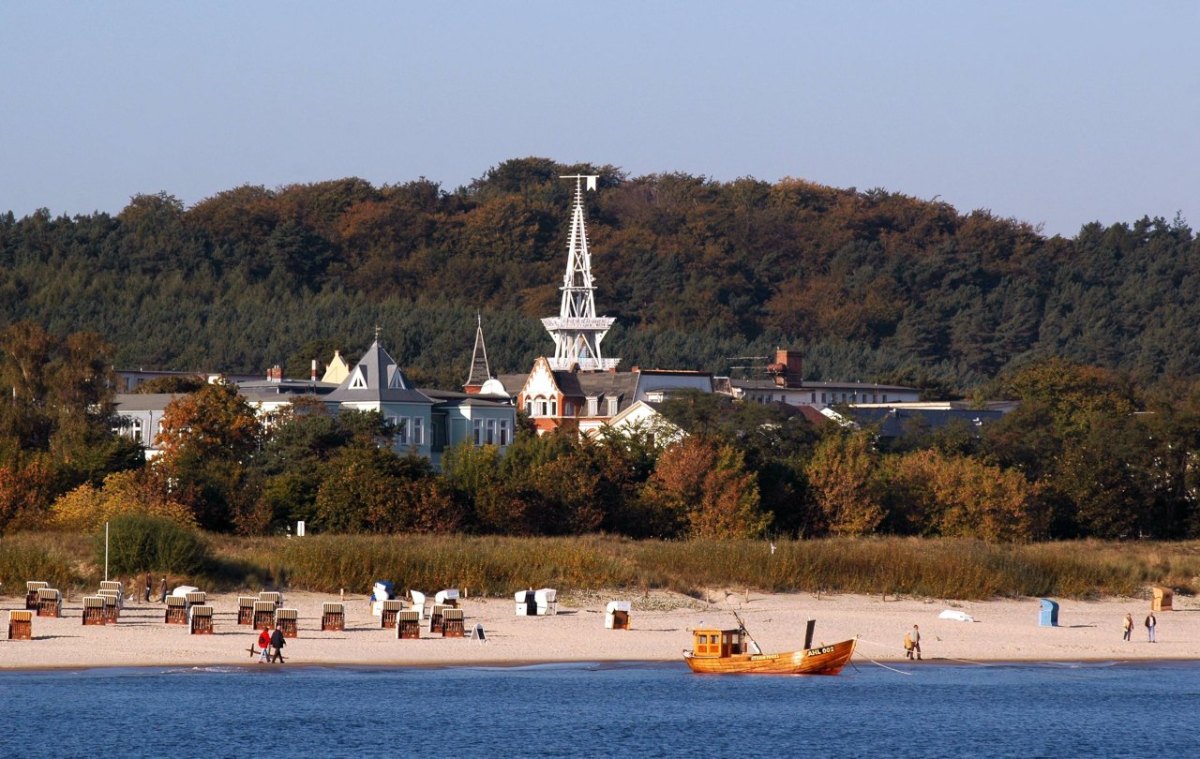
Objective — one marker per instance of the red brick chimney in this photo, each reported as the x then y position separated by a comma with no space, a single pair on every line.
275,374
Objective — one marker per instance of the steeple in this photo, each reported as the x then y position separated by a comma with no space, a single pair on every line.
480,373
577,331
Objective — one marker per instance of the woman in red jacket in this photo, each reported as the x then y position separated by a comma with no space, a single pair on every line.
264,642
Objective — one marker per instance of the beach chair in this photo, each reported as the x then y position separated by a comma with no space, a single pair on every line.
196,598
113,585
49,603
20,624
93,610
452,624
112,608
333,616
447,597
418,602
272,596
177,611
264,614
435,619
31,596
616,616
547,602
408,625
200,619
388,612
246,610
288,621
526,603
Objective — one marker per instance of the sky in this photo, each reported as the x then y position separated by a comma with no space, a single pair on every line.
1054,113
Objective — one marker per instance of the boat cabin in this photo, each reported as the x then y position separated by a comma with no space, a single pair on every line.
717,644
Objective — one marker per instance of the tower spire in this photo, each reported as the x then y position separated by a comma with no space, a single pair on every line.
577,331
480,372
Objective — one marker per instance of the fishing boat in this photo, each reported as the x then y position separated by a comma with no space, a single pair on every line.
734,652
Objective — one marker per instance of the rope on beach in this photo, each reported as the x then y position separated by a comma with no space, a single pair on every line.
881,664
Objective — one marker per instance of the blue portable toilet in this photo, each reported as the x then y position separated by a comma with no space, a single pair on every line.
1049,614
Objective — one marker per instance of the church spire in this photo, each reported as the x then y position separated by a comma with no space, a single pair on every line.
480,372
577,331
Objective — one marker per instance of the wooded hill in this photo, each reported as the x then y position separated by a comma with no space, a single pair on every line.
872,286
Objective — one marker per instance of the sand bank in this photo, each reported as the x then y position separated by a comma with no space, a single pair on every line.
1005,630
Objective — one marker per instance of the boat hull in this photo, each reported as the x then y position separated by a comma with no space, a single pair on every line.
823,660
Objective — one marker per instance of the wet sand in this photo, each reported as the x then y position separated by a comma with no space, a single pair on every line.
1003,630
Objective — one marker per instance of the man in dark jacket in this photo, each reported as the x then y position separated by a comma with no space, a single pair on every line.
277,644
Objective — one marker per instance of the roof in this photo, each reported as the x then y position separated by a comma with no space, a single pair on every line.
898,421
749,384
513,383
377,379
455,398
479,372
130,402
286,387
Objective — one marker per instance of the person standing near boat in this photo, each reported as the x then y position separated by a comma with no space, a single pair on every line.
1151,623
1127,626
915,636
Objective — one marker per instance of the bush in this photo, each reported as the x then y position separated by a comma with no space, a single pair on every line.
140,543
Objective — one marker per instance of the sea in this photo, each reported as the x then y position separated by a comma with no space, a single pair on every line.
926,709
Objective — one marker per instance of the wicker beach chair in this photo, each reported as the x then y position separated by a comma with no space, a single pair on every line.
448,597
20,624
93,610
264,614
49,602
333,616
408,625
452,623
112,607
272,596
31,593
435,619
388,612
616,615
246,610
177,611
200,619
288,621
418,602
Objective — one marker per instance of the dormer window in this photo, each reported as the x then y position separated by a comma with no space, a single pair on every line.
358,382
612,406
593,405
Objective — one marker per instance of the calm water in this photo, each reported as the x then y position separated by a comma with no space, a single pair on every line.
1024,711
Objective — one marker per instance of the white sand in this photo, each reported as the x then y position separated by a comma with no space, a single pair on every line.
1003,630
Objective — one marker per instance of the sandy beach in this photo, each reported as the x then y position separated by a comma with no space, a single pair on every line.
1003,630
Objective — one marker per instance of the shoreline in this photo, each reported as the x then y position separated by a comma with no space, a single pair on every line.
1005,632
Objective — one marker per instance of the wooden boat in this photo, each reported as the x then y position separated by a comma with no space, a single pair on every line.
724,652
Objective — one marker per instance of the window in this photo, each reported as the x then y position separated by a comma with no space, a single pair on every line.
554,407
823,398
593,405
418,431
504,432
491,432
814,397
478,429
529,406
612,406
541,407
401,429
885,397
359,382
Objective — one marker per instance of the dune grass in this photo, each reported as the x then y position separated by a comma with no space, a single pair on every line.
496,566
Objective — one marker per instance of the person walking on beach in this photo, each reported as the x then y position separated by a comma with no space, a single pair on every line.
908,645
1151,623
277,644
162,590
1127,626
149,586
915,635
264,642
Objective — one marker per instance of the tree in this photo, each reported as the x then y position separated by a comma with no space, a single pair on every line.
207,441
701,489
842,482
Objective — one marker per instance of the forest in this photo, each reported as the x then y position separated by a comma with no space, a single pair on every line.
872,286
1088,334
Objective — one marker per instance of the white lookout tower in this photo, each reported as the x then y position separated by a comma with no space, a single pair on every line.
577,331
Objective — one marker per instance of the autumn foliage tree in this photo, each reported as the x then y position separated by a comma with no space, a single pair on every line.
842,477
701,489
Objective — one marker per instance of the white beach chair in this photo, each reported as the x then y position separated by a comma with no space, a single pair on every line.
616,615
418,602
448,597
547,603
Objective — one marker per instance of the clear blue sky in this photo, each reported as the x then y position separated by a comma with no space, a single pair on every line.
1056,113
